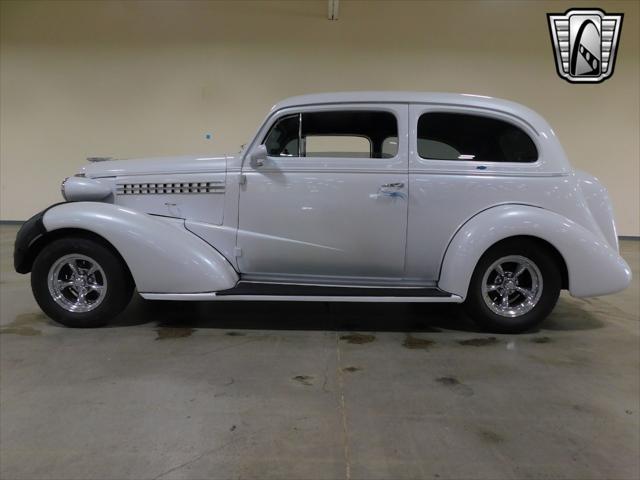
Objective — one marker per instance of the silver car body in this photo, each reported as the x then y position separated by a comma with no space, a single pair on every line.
189,227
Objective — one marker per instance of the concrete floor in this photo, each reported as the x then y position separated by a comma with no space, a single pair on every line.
294,390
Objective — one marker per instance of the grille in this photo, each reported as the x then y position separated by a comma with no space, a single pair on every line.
169,188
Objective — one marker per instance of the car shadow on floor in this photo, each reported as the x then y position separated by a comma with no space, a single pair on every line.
336,316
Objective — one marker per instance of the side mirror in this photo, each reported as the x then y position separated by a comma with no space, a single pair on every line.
258,156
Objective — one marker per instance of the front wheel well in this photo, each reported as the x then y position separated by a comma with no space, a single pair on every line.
47,238
552,251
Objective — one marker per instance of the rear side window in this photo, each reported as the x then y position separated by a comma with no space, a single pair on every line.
458,136
341,134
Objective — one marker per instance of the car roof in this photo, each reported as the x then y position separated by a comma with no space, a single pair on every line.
438,98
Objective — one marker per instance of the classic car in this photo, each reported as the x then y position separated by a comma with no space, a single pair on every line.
357,197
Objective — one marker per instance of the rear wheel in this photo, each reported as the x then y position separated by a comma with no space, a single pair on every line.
80,282
514,287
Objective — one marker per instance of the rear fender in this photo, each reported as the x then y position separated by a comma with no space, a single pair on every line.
161,254
593,267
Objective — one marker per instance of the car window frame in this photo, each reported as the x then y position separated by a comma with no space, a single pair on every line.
474,114
418,164
399,162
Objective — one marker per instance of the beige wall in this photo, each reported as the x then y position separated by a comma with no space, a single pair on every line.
144,78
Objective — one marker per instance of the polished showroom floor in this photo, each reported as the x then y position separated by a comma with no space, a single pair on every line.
295,390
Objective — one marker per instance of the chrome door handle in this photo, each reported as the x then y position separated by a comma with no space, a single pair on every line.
392,190
396,185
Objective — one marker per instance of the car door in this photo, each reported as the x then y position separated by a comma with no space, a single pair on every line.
329,202
463,160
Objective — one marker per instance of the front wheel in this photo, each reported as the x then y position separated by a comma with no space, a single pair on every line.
80,282
513,288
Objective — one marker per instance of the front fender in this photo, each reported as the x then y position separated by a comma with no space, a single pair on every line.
594,268
161,254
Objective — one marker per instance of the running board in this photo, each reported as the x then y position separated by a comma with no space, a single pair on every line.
253,291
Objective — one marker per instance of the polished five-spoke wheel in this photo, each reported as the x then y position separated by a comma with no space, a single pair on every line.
77,283
515,285
512,286
81,282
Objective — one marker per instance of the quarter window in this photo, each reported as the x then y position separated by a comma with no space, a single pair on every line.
456,136
343,134
282,140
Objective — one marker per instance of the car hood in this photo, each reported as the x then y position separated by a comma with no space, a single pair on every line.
155,166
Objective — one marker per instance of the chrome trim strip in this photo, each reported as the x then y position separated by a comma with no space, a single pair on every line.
299,298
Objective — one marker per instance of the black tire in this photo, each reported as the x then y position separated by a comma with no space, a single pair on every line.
478,309
115,298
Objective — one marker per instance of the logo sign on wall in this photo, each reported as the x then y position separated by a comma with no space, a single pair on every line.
585,42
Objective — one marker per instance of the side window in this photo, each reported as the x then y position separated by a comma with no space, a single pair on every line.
350,134
337,146
459,136
282,140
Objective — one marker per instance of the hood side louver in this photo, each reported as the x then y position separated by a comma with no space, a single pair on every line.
169,188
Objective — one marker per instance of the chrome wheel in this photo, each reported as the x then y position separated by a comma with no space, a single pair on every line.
512,286
77,283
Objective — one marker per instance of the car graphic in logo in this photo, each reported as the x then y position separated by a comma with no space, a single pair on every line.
585,42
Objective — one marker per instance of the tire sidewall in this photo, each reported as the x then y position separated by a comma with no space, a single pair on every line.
119,286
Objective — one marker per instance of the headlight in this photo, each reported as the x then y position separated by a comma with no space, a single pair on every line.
79,188
64,195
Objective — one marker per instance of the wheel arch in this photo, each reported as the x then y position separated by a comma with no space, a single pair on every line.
592,267
49,237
